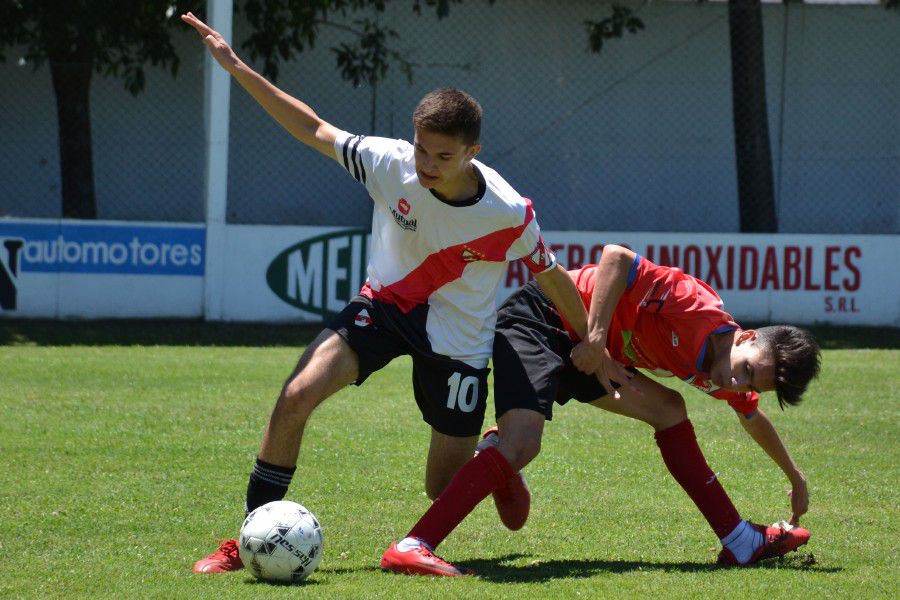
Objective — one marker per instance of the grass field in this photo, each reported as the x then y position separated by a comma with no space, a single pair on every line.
125,450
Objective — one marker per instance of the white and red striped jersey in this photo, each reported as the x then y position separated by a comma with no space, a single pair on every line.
450,255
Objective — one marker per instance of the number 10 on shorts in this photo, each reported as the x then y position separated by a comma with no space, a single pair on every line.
463,392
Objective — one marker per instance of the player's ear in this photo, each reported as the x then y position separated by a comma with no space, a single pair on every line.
747,335
472,151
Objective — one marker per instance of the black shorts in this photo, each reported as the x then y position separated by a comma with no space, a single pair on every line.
532,368
451,394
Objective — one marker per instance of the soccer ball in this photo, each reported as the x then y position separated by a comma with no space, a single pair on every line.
281,541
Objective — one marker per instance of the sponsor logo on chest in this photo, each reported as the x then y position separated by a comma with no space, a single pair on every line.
400,213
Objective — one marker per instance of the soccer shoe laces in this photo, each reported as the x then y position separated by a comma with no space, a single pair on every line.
228,549
426,552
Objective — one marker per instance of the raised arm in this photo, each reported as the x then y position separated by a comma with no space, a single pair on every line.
763,433
295,116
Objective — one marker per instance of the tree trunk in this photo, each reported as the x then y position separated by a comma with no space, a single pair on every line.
72,85
756,196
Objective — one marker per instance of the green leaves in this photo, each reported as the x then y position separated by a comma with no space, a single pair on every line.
369,60
282,28
614,26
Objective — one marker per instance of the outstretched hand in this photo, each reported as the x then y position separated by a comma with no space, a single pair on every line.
218,47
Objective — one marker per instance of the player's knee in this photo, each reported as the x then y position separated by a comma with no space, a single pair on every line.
520,451
672,412
297,400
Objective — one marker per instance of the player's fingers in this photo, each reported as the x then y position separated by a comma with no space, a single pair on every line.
607,384
202,28
625,380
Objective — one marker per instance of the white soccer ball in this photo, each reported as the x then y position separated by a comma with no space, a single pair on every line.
281,541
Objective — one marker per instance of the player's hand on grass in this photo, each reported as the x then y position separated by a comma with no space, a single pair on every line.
799,494
217,45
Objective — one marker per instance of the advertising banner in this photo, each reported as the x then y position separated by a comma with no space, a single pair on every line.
95,269
287,273
278,273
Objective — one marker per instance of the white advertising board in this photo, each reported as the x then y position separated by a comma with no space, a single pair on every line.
96,269
307,273
76,269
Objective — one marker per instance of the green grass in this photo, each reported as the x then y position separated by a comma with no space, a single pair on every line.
122,459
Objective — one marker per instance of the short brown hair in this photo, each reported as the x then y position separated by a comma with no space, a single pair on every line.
450,112
797,360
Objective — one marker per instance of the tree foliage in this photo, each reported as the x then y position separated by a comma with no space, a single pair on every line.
117,38
621,19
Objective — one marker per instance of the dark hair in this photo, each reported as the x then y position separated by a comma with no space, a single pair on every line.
797,360
450,112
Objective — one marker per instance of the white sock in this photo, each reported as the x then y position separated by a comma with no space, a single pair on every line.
411,543
743,541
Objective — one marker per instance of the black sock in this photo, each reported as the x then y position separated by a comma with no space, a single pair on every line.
268,483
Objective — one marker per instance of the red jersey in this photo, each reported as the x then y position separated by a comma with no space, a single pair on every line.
662,323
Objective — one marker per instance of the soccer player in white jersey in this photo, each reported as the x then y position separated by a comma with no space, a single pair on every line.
443,230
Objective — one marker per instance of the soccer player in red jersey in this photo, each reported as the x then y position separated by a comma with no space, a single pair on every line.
444,227
640,315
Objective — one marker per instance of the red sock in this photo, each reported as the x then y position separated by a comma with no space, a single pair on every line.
471,484
686,463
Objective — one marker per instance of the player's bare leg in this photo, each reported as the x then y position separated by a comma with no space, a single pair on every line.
446,454
664,410
520,431
656,405
326,366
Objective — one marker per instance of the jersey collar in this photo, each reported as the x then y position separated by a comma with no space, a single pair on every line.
702,354
482,187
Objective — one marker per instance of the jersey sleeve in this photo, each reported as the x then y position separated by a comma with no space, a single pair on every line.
530,247
367,159
745,403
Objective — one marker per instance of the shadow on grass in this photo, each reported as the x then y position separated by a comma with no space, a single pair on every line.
499,570
195,332
300,584
496,569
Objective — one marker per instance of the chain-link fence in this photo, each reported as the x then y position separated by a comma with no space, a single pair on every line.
146,150
640,137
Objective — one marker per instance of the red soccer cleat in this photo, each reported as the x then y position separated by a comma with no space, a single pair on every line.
419,561
224,559
777,541
513,500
